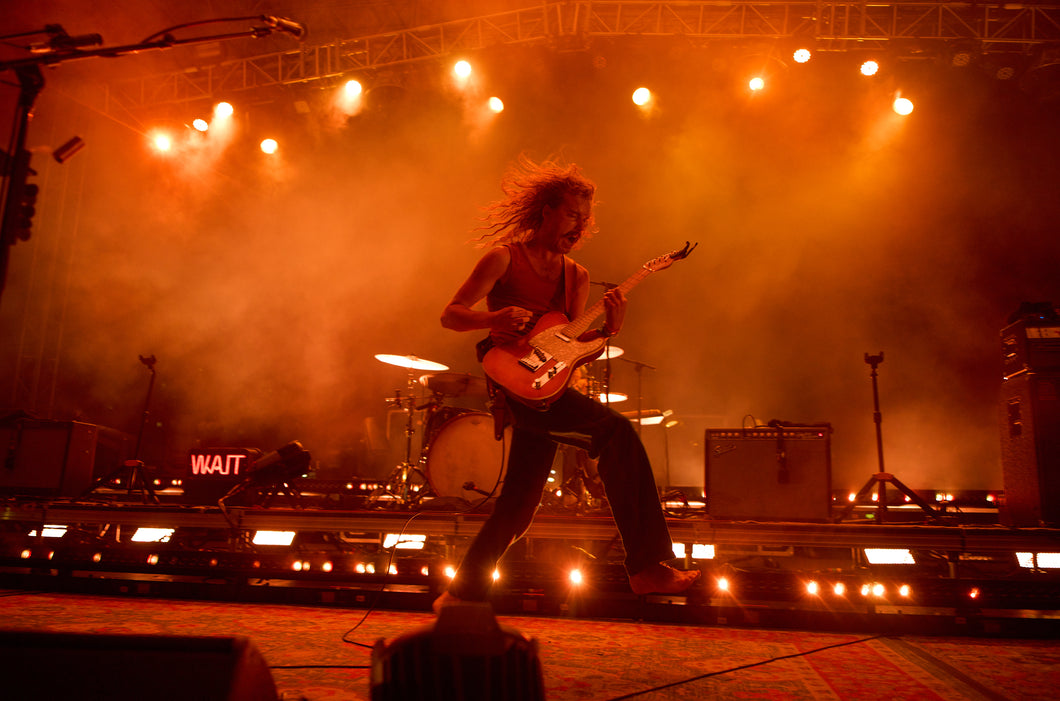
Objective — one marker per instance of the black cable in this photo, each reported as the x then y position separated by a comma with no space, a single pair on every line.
199,23
742,667
393,552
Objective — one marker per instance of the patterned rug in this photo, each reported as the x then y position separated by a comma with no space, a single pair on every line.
323,653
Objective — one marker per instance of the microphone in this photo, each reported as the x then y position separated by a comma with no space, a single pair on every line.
65,42
295,29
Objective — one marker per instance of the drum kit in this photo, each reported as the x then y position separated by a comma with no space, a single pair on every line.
459,455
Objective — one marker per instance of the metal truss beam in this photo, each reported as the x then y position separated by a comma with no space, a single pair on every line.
840,25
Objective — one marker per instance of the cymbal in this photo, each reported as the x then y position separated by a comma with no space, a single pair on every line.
455,384
611,352
410,361
612,397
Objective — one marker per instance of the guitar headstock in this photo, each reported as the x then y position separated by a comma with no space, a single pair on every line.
664,262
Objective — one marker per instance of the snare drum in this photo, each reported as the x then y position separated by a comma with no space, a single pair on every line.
465,450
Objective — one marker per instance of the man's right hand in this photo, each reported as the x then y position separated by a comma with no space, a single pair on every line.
510,323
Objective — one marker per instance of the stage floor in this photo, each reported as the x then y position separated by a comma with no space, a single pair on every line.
324,653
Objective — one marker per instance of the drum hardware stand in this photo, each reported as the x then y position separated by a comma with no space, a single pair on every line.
135,466
399,483
639,369
882,478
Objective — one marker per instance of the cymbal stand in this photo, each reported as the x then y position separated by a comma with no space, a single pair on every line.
882,478
399,483
639,369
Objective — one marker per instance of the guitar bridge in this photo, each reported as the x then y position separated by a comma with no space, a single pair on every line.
533,360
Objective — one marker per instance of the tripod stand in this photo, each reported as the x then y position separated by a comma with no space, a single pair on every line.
135,466
881,479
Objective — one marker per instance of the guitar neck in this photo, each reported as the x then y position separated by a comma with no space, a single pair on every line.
581,324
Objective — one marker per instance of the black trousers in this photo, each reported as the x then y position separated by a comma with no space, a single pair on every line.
623,467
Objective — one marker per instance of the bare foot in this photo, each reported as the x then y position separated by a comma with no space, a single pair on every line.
662,579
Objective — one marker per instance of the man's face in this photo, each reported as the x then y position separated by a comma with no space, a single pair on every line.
562,226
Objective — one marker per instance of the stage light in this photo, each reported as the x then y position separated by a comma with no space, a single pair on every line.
869,68
425,571
200,125
393,569
723,584
97,557
353,88
902,106
812,588
370,568
462,70
450,571
801,55
327,566
865,589
360,568
407,541
641,97
904,591
575,577
273,537
1038,560
852,496
877,590
152,559
49,531
152,535
756,84
889,556
26,554
269,146
223,110
162,142
496,575
839,589
973,593
700,551
66,151
496,105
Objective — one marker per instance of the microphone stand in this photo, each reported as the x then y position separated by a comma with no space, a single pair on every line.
881,478
66,48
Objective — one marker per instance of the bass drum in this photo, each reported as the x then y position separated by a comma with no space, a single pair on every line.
464,450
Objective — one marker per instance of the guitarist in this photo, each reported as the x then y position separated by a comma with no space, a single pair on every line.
547,211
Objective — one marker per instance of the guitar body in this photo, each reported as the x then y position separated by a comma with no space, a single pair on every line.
537,368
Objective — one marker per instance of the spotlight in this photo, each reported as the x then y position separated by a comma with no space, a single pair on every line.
575,577
812,588
902,106
839,589
756,84
889,556
269,146
801,55
162,142
496,575
496,105
68,149
904,591
223,110
450,571
641,97
869,68
407,541
723,584
200,125
353,88
462,70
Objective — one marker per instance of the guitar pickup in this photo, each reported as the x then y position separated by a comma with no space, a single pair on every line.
547,377
533,360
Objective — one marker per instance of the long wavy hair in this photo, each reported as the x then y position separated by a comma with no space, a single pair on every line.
528,187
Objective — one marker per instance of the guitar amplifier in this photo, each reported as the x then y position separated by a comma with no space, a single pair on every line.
45,458
769,474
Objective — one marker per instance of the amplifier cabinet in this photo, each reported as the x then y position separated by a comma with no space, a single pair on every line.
1030,449
769,474
47,458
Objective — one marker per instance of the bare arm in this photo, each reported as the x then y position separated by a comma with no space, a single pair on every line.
460,314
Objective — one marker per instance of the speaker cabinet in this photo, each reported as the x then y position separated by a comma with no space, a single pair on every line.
48,458
42,665
763,474
1030,449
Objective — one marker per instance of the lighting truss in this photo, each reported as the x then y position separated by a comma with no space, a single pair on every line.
834,25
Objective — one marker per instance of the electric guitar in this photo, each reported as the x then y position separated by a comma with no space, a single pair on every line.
536,368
